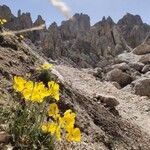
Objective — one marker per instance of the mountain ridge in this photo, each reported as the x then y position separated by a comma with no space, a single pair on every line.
77,41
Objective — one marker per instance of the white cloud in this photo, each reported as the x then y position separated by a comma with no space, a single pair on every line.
62,7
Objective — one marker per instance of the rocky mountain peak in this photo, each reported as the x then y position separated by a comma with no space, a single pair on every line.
82,20
24,20
5,12
105,22
109,19
19,13
39,21
53,26
77,24
130,20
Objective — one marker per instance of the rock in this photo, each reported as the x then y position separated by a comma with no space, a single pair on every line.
98,73
120,43
128,57
137,66
142,49
107,101
116,85
147,39
135,75
122,66
146,75
128,88
146,68
4,137
145,59
120,77
142,87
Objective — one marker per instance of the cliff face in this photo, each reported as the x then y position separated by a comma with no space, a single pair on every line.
77,41
133,29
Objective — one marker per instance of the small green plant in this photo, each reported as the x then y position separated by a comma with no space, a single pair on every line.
37,122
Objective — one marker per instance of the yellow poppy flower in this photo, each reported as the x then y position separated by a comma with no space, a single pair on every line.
27,91
69,118
54,89
74,134
54,129
53,110
19,83
39,92
46,66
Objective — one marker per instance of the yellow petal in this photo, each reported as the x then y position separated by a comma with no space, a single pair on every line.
74,135
19,83
53,110
58,133
69,118
54,89
52,128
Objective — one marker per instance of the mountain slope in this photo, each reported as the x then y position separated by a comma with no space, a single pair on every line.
101,129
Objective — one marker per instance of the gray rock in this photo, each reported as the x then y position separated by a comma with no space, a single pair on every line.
107,101
120,77
146,68
145,59
142,49
122,66
137,66
142,87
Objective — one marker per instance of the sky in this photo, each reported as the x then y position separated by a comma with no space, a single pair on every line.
96,9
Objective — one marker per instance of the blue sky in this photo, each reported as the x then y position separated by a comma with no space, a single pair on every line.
96,9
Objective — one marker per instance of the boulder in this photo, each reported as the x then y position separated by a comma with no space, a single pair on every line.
146,68
107,101
142,49
120,77
145,59
122,66
128,57
142,87
137,66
